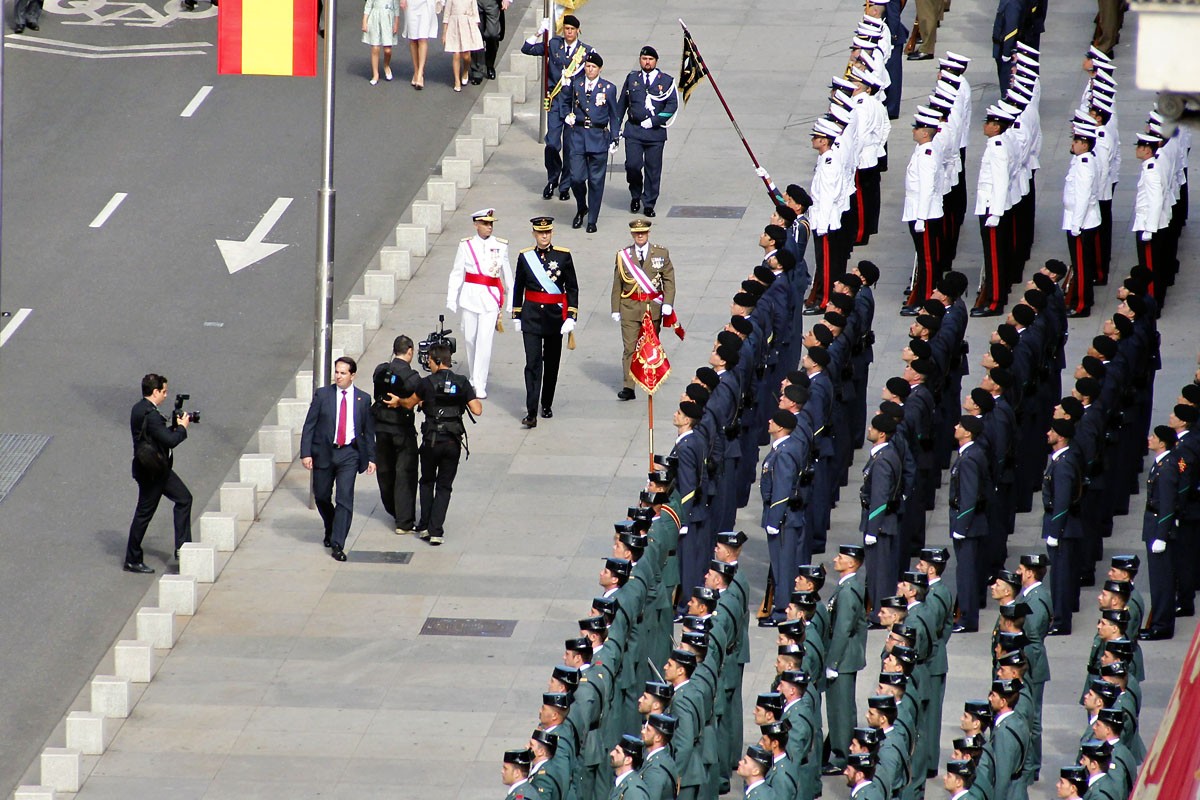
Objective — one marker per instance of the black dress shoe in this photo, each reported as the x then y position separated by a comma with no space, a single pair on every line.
770,621
591,227
984,311
577,222
831,769
190,5
548,192
1180,611
338,554
491,74
328,542
626,394
547,413
529,422
1155,636
141,569
1088,580
33,26
1058,630
19,29
565,194
963,629
918,56
909,311
634,205
649,211
1073,314
812,311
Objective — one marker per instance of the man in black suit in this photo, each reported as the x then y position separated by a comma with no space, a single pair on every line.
146,422
338,442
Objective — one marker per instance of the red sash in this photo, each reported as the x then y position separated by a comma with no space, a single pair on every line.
485,280
548,299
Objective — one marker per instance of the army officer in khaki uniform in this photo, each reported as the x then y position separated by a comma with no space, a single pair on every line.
643,279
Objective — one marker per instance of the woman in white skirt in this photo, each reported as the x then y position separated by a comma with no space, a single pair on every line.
380,25
460,35
420,25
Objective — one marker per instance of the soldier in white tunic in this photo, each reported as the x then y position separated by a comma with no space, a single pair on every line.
481,284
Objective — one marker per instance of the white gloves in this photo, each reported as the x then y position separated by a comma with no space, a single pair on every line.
683,530
957,536
919,226
612,148
544,26
1051,541
1147,236
567,326
616,315
569,119
1075,232
831,674
517,325
647,123
1158,546
760,172
565,80
667,309
772,531
869,539
992,221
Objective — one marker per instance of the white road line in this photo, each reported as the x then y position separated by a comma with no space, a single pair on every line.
108,209
14,46
196,101
13,324
13,39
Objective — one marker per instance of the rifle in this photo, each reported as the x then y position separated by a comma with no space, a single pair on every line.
911,44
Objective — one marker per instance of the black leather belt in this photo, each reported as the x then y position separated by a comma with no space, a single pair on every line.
589,124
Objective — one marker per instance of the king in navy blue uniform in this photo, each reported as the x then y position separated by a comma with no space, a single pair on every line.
593,132
648,101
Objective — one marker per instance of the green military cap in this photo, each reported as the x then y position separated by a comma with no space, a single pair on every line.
547,739
1016,658
1121,648
1015,611
813,572
607,606
684,658
1006,686
973,742
1096,750
663,723
881,702
1008,577
1077,776
863,762
981,709
1011,640
1107,692
693,623
732,538
804,600
894,601
723,568
1117,669
759,756
1122,588
696,640
914,577
1113,718
1128,563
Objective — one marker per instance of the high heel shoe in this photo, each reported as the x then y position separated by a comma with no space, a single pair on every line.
458,88
464,81
374,81
387,73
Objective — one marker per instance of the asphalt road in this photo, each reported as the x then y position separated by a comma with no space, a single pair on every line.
148,291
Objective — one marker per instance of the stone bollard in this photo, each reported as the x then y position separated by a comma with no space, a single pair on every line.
85,732
219,528
156,626
198,561
134,659
178,593
62,769
277,440
240,499
110,696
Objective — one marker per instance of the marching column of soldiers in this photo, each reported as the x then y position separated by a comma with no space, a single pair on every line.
639,709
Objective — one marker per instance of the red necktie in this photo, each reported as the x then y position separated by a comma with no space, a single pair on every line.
341,428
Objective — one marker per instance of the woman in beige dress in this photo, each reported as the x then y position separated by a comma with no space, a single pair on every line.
380,25
420,25
460,35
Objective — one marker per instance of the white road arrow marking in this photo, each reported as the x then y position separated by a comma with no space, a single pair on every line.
240,254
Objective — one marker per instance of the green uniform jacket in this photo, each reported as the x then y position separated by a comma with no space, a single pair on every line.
1008,743
660,775
940,602
822,622
848,641
522,790
632,788
802,738
550,781
894,765
1130,736
614,718
592,697
1123,768
688,708
763,792
1137,615
781,777
1103,788
1037,623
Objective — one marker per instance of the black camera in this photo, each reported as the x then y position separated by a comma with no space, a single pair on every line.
439,336
178,411
388,382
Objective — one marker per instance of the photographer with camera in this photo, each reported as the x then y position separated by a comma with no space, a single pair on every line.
444,396
396,434
153,459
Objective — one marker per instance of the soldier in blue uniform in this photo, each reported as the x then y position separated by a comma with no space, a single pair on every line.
648,101
1159,528
545,306
969,495
780,471
566,59
592,121
1062,530
879,522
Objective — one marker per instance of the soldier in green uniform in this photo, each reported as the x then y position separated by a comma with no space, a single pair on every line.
896,684
1100,695
782,775
658,771
1108,726
753,769
549,779
1116,595
970,748
1125,568
913,586
552,718
847,653
729,730
1111,625
811,578
939,602
959,778
804,733
689,709
1094,757
1010,737
1036,595
643,280
626,759
895,763
1120,650
1072,782
514,771
593,699
1116,675
860,774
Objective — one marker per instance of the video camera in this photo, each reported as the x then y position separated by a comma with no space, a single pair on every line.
178,411
439,336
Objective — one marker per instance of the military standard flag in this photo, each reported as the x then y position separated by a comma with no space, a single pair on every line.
692,69
649,365
267,37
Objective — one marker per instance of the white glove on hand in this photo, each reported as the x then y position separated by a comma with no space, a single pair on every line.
869,539
1147,236
544,25
616,316
831,674
1075,232
761,172
612,148
567,326
517,325
1051,541
772,531
569,119
565,80
919,226
647,124
668,309
1158,546
992,221
683,530
957,536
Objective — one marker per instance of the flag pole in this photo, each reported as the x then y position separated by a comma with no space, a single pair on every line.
712,79
323,319
543,122
650,424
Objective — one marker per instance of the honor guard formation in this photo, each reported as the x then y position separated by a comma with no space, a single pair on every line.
648,700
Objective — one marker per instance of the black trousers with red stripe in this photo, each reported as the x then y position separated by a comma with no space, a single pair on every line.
849,221
1085,255
993,282
866,184
1150,256
928,247
830,265
954,207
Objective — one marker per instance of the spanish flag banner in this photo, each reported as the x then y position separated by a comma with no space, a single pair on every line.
267,37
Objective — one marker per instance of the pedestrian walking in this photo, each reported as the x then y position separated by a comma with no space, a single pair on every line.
460,36
380,24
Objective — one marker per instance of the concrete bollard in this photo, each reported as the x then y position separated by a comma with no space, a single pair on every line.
198,561
278,441
487,128
110,696
366,310
499,106
240,499
397,261
444,192
513,85
457,170
85,733
380,285
470,148
349,337
178,593
413,238
291,411
522,64
34,793
134,659
427,214
62,769
304,384
156,626
259,469
219,528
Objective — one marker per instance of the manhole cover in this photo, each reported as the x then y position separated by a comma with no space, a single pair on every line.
707,212
379,557
450,626
17,453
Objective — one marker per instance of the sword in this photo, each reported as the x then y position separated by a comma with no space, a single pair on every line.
657,674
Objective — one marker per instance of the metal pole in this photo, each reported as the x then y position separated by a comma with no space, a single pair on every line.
650,426
542,124
323,319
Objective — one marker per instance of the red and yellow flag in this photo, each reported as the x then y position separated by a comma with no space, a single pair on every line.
267,37
649,366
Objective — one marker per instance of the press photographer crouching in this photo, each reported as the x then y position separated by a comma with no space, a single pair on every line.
153,458
444,396
396,434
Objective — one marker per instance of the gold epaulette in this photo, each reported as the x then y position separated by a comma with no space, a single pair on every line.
527,249
501,241
559,249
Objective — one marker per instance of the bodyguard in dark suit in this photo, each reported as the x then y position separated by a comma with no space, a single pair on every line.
649,99
146,422
969,495
337,443
1062,529
1159,527
592,119
879,521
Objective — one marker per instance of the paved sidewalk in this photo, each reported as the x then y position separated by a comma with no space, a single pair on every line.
300,677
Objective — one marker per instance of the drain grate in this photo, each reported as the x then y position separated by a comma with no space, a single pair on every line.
379,557
707,212
17,454
450,626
